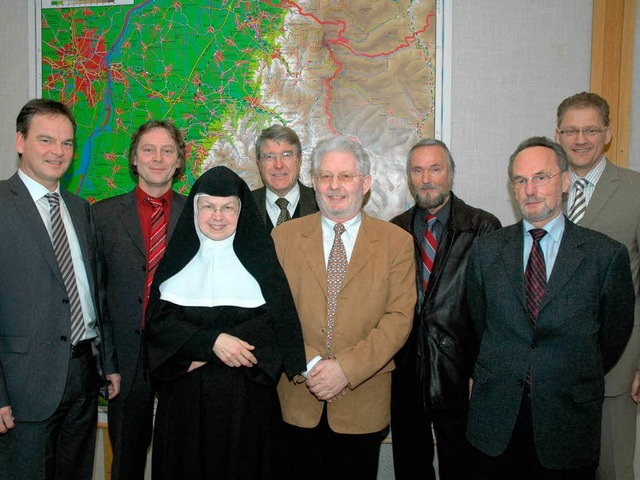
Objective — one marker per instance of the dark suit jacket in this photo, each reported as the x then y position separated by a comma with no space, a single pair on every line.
35,329
306,205
122,276
583,325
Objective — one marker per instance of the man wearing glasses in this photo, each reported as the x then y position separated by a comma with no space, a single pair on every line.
605,198
353,281
553,308
283,196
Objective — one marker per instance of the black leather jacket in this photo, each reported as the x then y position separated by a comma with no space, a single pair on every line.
442,347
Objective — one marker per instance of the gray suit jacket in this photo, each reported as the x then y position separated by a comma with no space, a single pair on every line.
584,322
122,276
35,330
614,209
306,205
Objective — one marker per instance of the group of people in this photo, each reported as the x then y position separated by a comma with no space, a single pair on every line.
284,331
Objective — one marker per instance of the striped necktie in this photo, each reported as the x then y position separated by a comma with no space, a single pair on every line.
283,203
579,201
428,248
63,256
157,240
535,278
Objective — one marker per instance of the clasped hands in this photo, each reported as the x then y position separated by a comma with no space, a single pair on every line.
232,351
327,381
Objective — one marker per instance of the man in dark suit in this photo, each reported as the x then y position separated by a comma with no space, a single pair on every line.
606,199
279,156
124,242
48,322
355,314
431,380
553,306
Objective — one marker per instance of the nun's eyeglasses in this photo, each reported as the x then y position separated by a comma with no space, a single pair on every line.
209,209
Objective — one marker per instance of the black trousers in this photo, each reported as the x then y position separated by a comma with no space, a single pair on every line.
63,446
320,453
520,460
412,439
131,427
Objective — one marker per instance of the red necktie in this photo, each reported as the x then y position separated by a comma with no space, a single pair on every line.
428,248
157,242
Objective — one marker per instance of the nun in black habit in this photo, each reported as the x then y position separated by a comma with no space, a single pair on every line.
221,329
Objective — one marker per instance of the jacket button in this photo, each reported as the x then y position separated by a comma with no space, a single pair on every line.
534,345
65,300
323,331
63,338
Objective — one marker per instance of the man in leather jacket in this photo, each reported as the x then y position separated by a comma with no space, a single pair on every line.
431,381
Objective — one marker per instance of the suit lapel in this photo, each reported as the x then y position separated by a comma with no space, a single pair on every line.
261,199
607,185
363,249
32,219
511,255
128,216
567,261
313,249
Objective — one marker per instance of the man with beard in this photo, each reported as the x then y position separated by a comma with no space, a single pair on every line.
431,380
553,304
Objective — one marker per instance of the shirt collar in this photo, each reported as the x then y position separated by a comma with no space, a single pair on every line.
36,190
292,196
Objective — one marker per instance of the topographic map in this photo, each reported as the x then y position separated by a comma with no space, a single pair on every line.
224,70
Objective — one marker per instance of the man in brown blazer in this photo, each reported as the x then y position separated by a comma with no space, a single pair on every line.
608,202
336,419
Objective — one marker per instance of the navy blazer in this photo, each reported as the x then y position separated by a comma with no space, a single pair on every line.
35,325
584,323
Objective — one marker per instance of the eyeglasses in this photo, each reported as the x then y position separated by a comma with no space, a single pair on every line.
272,157
327,178
539,180
211,209
587,132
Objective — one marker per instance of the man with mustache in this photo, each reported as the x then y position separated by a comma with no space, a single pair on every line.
430,382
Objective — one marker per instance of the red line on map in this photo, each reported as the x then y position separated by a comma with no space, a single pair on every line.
340,40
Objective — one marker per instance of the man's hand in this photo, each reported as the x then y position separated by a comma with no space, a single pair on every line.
233,351
635,387
326,380
6,419
113,388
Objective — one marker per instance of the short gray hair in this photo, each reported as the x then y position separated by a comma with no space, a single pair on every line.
340,143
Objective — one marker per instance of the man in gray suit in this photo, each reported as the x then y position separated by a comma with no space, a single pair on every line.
553,307
48,322
283,196
123,228
606,199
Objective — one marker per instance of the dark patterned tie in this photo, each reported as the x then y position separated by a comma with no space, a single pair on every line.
283,203
336,269
63,256
428,248
579,201
535,277
157,241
